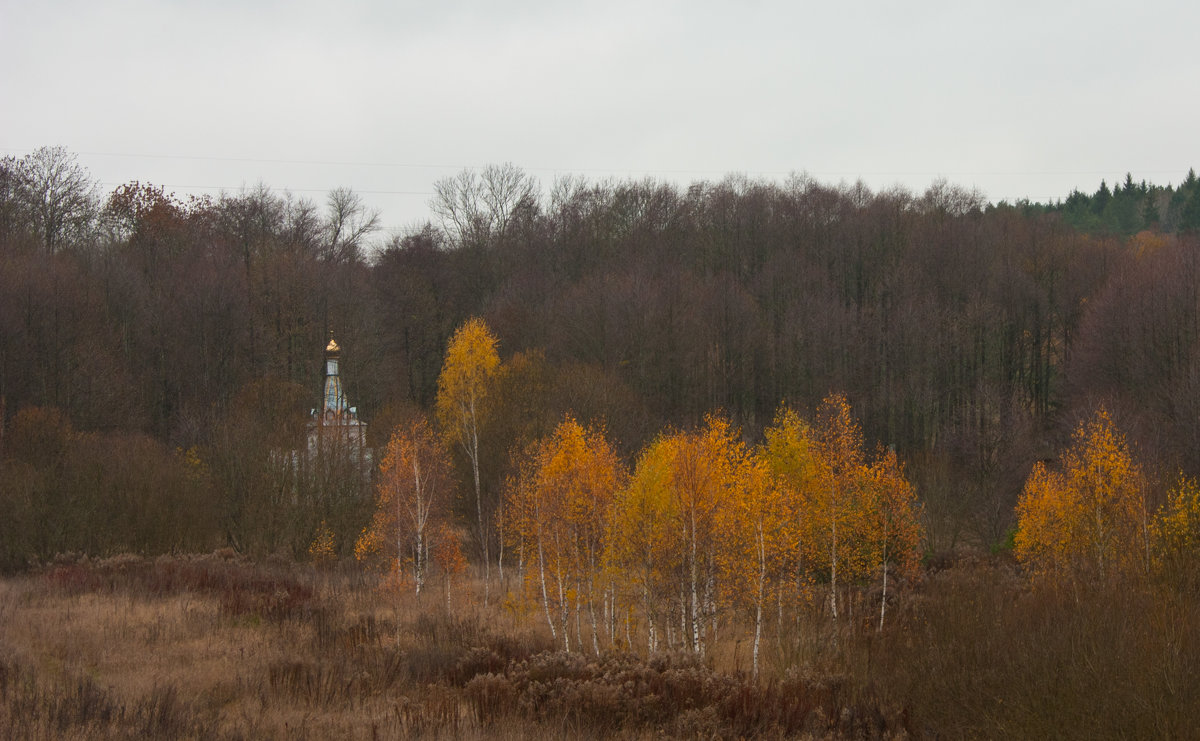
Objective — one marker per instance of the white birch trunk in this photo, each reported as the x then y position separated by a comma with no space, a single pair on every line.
500,547
595,631
760,596
578,618
473,454
883,602
418,571
833,601
542,579
695,616
564,608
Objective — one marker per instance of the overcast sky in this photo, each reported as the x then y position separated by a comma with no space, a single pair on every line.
1018,99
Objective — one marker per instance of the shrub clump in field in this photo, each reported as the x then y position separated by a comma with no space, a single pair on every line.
673,694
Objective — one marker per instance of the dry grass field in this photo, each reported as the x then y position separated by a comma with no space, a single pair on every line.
215,647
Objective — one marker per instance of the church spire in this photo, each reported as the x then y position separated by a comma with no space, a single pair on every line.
335,397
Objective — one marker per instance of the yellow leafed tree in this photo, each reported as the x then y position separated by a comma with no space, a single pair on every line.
1088,519
644,551
667,528
1176,537
891,529
468,375
836,503
799,471
703,469
559,508
754,531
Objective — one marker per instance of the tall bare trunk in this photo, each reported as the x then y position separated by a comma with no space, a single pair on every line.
651,636
595,631
418,564
883,601
833,601
473,454
500,546
542,579
695,616
759,597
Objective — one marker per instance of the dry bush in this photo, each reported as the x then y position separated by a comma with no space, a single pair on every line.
242,587
985,655
675,695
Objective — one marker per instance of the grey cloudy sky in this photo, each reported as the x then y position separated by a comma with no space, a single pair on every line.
1018,99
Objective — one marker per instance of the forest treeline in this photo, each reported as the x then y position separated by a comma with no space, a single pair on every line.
152,346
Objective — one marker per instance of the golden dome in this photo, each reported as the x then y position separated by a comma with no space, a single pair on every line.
332,347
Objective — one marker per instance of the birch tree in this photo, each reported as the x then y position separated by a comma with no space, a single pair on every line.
411,503
799,472
1088,518
892,529
682,480
839,442
1176,537
468,375
560,510
754,530
644,552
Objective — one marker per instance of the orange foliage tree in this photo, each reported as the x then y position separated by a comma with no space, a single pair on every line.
1087,519
559,508
707,524
411,505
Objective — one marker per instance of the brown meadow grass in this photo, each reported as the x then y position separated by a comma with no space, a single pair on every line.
215,647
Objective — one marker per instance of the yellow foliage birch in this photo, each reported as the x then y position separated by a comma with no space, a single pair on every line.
1176,537
468,375
703,470
801,475
560,508
754,531
839,443
644,552
892,533
1088,520
666,526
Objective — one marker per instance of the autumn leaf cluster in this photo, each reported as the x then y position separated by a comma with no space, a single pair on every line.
705,525
1089,518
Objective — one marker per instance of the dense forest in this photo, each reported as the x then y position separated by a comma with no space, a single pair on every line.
155,351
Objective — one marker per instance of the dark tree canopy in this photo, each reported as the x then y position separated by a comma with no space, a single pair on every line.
965,334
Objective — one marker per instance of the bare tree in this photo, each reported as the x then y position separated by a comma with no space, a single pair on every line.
348,225
13,219
475,208
61,197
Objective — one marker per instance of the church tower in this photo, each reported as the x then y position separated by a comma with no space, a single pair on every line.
335,397
335,432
